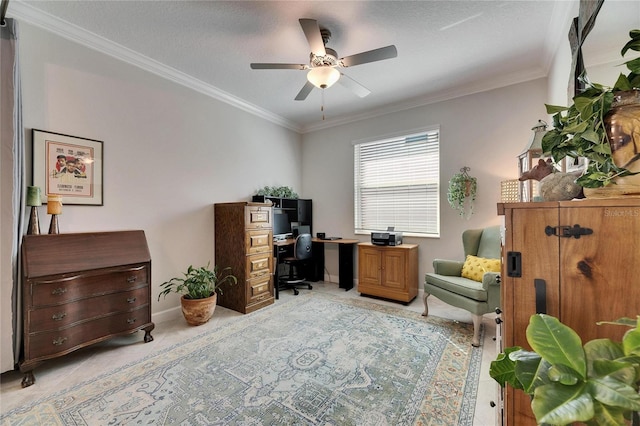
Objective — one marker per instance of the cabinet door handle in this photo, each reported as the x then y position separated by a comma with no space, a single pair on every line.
131,320
59,341
131,299
541,295
132,279
58,291
59,316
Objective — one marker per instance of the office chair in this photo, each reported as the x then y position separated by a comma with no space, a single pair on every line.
301,256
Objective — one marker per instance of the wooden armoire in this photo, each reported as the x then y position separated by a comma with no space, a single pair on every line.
576,260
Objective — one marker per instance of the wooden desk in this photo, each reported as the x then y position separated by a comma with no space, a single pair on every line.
345,261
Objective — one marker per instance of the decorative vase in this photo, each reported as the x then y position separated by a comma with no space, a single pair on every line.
198,311
622,124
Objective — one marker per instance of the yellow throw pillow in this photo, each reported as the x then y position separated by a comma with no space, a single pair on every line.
475,267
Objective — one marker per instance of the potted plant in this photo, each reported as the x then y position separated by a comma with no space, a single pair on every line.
462,192
596,383
277,191
198,288
586,128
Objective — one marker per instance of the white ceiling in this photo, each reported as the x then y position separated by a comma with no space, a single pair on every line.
445,48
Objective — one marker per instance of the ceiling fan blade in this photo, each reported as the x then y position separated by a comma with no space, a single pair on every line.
306,89
312,33
268,66
374,55
353,85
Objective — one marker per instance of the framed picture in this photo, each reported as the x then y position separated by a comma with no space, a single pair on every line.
68,166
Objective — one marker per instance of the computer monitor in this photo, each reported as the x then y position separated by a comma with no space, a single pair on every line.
281,225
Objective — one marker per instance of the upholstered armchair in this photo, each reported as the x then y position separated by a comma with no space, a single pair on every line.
473,284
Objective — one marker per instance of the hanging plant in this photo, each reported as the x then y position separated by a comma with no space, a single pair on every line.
462,192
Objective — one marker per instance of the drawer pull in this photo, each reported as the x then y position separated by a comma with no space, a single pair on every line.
131,299
58,291
58,317
59,341
132,279
131,320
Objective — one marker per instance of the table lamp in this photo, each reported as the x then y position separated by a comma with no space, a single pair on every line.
33,200
54,208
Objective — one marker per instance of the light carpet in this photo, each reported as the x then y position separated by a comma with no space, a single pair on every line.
315,359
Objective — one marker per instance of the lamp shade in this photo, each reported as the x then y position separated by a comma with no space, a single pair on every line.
323,77
33,196
54,204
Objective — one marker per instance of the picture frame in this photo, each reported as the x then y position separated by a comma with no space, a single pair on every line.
68,166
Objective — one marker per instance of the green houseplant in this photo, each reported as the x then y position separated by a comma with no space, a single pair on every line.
596,383
199,288
580,129
462,192
277,191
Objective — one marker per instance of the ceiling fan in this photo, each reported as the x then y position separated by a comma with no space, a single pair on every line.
324,63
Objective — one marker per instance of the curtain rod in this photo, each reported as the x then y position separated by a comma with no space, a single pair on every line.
3,12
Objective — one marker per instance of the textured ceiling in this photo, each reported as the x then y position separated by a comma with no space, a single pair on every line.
445,48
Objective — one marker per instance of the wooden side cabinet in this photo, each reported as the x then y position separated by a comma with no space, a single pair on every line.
80,289
390,272
575,260
244,242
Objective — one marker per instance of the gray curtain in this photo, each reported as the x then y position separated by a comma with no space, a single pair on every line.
13,173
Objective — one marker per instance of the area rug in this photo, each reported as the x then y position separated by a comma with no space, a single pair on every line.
315,359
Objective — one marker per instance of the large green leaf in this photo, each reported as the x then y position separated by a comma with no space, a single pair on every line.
502,370
556,343
563,375
631,340
560,405
530,369
621,371
615,393
606,415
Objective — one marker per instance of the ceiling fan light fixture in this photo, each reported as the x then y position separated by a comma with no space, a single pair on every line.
323,77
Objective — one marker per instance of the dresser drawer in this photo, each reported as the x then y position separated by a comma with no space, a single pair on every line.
55,317
45,292
48,343
257,217
258,241
259,289
259,265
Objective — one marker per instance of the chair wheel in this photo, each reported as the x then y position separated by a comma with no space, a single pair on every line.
295,292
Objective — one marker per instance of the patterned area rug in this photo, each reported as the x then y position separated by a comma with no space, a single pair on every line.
315,359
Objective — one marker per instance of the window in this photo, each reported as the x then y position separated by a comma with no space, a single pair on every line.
397,183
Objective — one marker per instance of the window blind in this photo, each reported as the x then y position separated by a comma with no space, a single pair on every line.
397,184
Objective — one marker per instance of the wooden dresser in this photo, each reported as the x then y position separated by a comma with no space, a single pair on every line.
390,272
244,241
575,260
80,289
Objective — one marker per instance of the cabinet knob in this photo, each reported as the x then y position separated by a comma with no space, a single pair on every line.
58,291
499,321
132,279
131,299
59,341
58,316
498,311
492,404
131,320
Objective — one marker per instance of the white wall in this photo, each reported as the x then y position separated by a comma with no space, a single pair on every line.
169,153
485,131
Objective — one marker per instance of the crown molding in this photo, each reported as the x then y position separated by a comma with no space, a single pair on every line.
43,20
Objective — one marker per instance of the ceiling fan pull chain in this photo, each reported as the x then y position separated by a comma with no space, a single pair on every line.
322,105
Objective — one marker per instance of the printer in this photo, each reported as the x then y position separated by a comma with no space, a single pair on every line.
387,238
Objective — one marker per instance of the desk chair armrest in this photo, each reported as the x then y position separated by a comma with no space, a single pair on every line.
452,268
